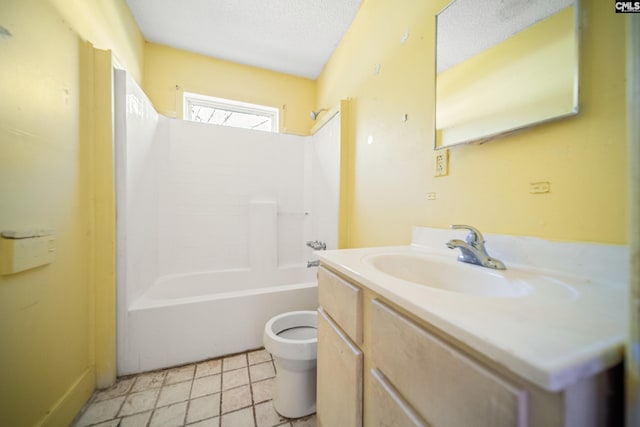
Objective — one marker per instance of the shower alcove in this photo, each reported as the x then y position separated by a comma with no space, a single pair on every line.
211,229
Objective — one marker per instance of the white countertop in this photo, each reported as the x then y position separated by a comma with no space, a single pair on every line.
549,342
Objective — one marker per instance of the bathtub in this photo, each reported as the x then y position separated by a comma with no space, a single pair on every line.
191,317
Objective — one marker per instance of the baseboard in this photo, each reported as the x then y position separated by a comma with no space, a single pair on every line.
67,407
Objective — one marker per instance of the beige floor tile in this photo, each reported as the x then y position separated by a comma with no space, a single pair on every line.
120,388
206,385
202,383
183,373
137,420
203,408
100,411
236,398
150,380
261,371
235,378
174,393
258,356
139,402
234,362
210,367
266,416
242,418
169,416
263,390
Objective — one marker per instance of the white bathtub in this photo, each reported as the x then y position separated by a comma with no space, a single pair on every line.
187,318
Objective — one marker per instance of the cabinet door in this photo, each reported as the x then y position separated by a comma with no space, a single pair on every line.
445,386
387,408
339,392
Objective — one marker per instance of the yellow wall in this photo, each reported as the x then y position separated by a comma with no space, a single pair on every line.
165,68
583,157
108,25
57,322
96,130
46,316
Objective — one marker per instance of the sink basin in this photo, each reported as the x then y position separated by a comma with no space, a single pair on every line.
447,274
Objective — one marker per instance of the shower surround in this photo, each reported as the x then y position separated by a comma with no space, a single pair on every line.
212,225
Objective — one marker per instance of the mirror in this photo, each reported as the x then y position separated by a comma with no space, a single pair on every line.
502,65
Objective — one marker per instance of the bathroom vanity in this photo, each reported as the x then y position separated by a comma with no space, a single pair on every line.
546,351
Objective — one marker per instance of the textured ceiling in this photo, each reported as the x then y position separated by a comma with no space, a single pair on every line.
289,36
467,27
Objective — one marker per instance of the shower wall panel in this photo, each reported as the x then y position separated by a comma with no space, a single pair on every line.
194,197
208,182
323,172
141,139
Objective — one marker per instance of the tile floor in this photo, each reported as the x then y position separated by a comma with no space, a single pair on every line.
233,391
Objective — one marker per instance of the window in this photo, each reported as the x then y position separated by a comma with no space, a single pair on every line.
207,109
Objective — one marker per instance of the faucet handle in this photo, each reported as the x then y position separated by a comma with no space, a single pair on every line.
474,238
317,245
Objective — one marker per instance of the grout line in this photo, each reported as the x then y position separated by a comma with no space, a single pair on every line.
193,380
253,402
155,404
121,405
220,400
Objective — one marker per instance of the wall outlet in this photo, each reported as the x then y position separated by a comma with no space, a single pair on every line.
442,162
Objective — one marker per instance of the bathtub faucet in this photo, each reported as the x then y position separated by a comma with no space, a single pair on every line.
317,245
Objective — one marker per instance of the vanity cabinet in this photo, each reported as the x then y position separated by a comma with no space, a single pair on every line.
379,365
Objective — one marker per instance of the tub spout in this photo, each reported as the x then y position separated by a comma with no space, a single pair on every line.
313,263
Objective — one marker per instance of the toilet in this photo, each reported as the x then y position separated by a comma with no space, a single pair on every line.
292,340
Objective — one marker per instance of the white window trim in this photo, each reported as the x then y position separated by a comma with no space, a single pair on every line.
190,99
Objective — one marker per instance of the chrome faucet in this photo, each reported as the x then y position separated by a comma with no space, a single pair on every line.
473,250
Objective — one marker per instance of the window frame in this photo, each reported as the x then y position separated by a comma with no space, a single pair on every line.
190,99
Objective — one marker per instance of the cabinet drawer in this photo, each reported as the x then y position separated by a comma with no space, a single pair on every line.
443,385
339,383
388,407
342,301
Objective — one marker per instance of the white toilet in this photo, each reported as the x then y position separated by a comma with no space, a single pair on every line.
292,340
